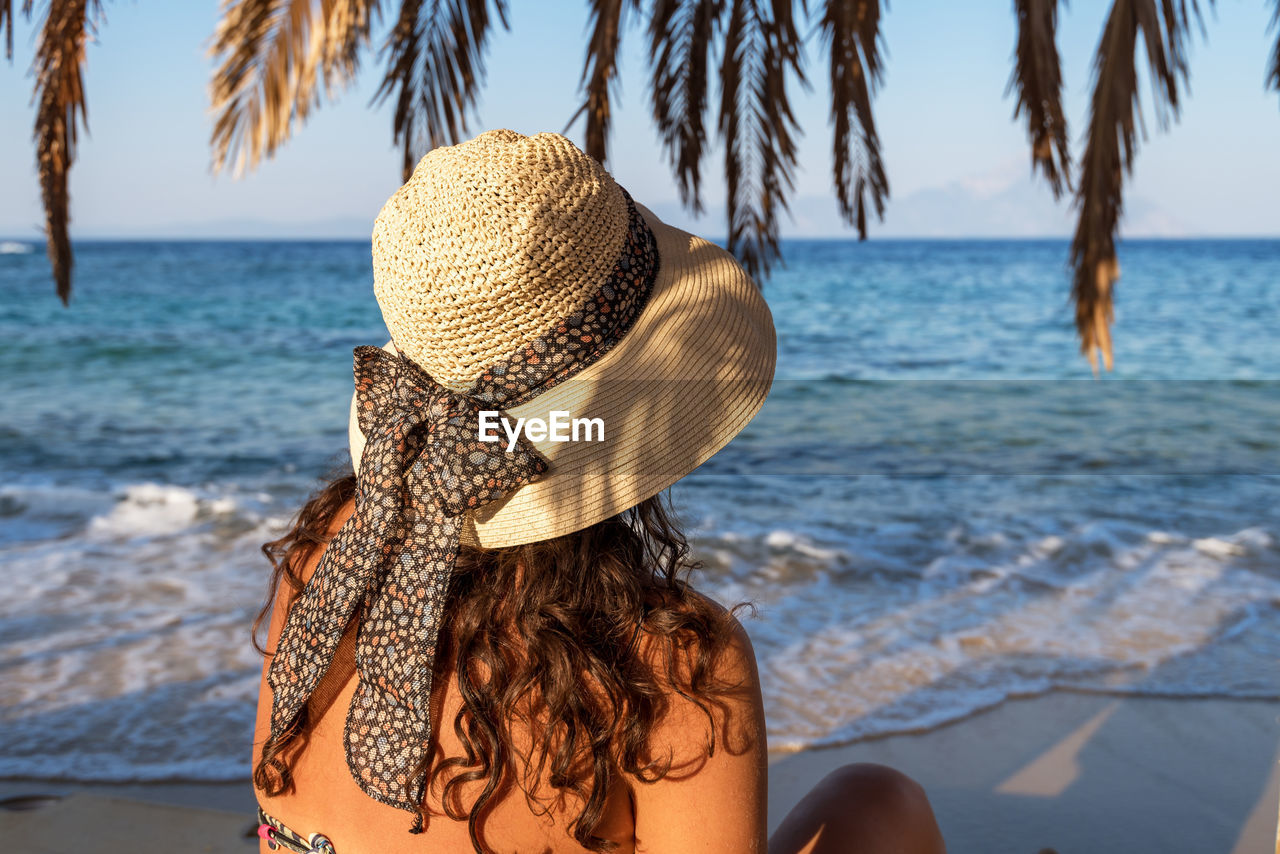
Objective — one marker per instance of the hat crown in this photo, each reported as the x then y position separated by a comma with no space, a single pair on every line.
489,244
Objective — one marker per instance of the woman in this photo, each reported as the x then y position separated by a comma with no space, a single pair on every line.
483,641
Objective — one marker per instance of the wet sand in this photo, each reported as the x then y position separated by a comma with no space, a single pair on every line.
1081,774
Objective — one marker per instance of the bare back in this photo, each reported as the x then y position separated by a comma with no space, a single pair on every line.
720,796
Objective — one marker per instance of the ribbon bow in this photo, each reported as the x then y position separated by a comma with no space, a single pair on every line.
423,467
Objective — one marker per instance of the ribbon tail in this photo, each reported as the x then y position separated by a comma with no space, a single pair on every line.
318,619
388,732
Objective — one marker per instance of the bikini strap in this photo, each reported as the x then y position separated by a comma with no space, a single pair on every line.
279,836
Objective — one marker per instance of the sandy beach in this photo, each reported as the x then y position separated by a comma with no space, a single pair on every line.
1084,774
1076,773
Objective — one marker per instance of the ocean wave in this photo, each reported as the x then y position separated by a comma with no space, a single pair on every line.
38,509
150,509
1103,606
126,643
126,648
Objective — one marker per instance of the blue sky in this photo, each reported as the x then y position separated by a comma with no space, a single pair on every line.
957,163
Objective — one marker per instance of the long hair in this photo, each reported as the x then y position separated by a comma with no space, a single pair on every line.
546,639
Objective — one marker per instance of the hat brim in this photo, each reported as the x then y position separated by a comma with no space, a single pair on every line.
692,371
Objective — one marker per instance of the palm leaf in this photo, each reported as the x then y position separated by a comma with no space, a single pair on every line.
1114,116
60,109
272,54
1037,78
851,31
600,72
347,26
435,66
680,36
761,48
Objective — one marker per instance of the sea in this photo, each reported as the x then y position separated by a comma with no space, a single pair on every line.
938,509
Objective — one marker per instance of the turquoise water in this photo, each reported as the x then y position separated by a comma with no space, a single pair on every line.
938,508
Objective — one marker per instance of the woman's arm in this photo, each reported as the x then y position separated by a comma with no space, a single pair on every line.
710,804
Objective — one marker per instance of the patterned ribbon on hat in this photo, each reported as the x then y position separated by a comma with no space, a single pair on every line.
423,468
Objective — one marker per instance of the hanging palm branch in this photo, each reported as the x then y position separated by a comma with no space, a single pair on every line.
851,32
435,68
60,110
1037,79
1112,142
273,53
600,71
680,37
761,48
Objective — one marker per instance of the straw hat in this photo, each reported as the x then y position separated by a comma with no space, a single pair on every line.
494,242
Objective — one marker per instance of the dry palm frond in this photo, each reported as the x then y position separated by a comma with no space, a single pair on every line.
346,24
435,66
272,54
852,33
600,71
1113,123
680,36
59,65
761,47
1037,78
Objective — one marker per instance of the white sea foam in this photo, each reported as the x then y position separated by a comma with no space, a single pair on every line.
11,247
148,509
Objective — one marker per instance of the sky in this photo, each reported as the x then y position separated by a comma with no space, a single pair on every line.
957,162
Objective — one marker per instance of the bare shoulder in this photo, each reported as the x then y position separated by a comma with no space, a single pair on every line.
737,661
711,741
726,709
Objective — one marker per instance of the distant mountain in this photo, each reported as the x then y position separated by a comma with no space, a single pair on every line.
988,207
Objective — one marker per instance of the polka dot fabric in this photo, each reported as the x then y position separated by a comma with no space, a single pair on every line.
422,470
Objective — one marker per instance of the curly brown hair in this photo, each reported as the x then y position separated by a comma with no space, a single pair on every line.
562,659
